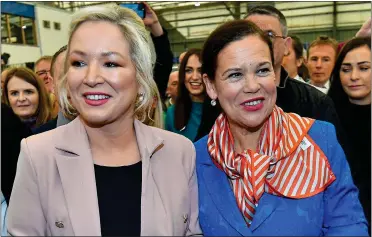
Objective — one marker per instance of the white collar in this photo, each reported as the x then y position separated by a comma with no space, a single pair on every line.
325,88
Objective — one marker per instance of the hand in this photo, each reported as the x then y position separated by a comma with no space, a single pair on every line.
151,20
365,30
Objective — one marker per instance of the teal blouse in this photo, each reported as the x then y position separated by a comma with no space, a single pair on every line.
193,124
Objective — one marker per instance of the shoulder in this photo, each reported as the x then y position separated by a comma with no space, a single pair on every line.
324,135
201,148
52,124
312,93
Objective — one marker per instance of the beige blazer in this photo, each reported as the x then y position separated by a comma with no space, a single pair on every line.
55,193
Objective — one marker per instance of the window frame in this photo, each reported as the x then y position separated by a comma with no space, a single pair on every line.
23,34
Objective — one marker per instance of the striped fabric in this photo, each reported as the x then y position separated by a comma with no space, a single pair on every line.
288,162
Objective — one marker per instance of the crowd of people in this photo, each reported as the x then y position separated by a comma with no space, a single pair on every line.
252,130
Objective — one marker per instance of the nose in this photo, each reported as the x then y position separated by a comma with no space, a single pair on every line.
21,97
318,63
196,75
251,85
354,75
93,76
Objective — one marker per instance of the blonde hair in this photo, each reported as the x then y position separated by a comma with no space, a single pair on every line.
142,56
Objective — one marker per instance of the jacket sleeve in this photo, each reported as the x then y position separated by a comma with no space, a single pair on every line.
25,216
343,214
194,227
164,62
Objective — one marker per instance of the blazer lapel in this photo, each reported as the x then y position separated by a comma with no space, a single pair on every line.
266,205
76,169
223,197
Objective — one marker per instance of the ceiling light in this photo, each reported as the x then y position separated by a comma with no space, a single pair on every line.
197,4
24,27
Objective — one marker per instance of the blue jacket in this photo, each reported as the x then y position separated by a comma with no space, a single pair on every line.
336,211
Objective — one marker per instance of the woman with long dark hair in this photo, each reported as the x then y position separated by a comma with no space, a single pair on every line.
351,93
185,116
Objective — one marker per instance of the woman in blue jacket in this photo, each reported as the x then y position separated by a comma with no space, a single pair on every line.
262,171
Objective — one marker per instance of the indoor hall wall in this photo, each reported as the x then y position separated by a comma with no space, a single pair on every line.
21,53
50,40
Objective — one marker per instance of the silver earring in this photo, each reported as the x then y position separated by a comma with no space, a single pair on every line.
141,97
213,102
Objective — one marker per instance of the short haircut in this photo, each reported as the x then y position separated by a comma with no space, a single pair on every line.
269,11
323,40
54,58
297,46
43,112
43,58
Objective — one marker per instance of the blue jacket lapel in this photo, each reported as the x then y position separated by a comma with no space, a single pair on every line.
266,205
223,197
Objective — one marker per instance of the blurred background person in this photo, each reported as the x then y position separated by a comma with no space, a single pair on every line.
27,97
351,92
172,89
12,132
294,60
57,68
321,59
4,60
185,115
42,69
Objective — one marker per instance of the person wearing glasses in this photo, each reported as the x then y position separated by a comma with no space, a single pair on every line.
292,96
42,69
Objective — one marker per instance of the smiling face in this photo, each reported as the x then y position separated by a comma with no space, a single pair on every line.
245,82
101,75
193,79
355,75
23,97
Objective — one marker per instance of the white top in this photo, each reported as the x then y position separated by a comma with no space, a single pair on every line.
298,78
325,88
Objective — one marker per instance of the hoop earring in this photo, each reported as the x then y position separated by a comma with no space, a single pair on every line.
213,102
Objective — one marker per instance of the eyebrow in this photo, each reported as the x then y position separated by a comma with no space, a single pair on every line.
104,54
349,64
239,69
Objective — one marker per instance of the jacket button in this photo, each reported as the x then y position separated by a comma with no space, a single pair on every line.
60,224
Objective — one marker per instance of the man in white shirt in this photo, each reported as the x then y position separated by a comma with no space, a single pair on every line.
321,59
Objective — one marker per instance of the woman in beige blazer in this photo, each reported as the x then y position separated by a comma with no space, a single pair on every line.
106,173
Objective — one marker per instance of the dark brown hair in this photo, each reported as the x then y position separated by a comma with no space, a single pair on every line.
336,92
183,104
224,35
43,112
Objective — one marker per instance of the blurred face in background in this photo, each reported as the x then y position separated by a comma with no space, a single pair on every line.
193,79
271,26
355,75
291,63
23,98
42,69
172,88
320,64
58,71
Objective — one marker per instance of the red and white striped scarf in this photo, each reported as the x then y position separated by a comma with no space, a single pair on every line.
288,162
